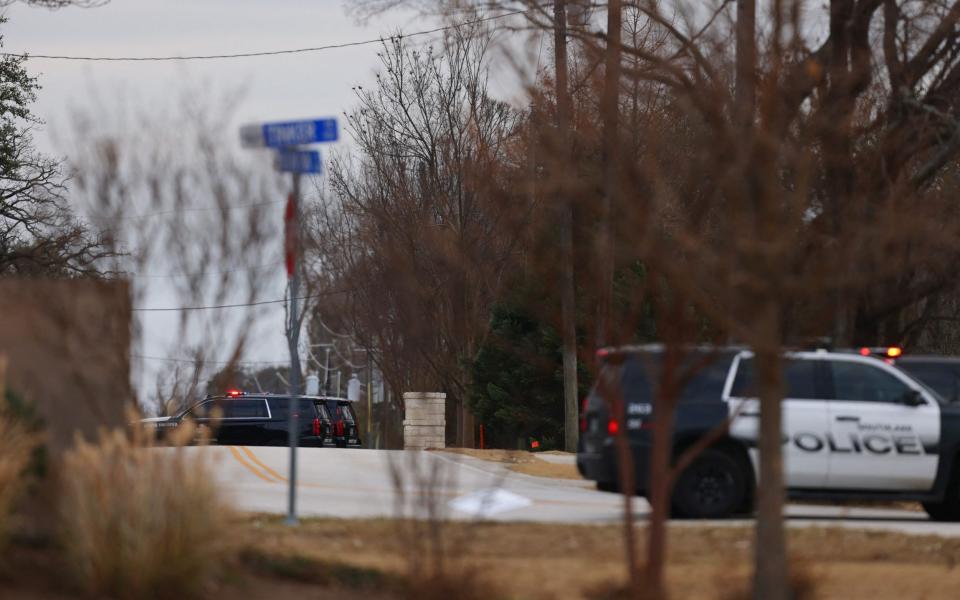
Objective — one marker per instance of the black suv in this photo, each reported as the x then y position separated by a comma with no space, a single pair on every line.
343,421
854,427
237,418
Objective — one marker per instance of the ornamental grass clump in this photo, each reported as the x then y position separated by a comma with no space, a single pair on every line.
141,521
16,447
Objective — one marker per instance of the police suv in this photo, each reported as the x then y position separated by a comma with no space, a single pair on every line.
854,427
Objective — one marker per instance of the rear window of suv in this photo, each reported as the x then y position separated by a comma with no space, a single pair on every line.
705,374
340,410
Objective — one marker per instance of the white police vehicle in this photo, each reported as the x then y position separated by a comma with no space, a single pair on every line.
854,428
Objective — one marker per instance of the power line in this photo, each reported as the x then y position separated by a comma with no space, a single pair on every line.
262,302
183,210
205,273
262,53
208,362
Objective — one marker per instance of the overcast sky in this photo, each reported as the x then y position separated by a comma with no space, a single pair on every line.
272,88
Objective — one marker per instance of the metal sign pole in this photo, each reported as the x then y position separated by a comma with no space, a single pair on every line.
288,138
292,219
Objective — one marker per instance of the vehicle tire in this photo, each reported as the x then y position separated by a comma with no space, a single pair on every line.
943,511
714,486
949,508
608,486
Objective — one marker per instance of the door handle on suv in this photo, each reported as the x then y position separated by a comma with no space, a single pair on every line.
848,418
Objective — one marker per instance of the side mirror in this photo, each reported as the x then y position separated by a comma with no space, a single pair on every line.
912,398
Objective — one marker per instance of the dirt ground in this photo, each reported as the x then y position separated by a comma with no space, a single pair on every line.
522,461
328,558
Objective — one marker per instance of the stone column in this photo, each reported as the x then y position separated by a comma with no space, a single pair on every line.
424,421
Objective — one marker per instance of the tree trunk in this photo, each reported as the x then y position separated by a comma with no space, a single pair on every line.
746,84
568,324
771,570
660,482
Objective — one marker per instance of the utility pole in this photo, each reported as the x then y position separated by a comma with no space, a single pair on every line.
610,108
292,242
563,162
369,431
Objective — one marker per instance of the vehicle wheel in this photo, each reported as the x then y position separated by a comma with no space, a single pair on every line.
608,486
949,508
714,486
943,511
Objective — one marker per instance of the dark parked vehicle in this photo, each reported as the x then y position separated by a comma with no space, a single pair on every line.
253,420
939,373
343,419
854,427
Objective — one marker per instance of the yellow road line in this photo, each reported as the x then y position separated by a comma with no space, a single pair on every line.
267,469
251,468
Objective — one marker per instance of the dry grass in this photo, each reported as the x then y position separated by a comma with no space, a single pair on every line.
139,524
16,446
538,561
522,461
437,557
334,558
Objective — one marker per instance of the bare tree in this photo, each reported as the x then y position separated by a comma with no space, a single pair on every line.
199,225
40,235
419,228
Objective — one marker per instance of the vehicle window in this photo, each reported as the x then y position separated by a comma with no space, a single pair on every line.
200,411
332,408
799,379
346,412
280,408
940,376
251,408
322,410
865,383
706,376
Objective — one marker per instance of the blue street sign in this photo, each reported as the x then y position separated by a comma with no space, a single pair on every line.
291,133
298,161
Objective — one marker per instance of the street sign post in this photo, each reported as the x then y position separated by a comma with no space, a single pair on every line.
285,137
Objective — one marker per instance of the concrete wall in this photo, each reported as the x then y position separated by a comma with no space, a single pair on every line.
67,345
424,422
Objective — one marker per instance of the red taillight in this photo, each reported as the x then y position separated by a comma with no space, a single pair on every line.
316,427
233,393
583,415
535,444
613,426
864,351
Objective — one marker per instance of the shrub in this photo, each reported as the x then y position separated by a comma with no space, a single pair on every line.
16,447
141,522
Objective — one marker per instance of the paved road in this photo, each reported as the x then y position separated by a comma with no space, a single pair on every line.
363,483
